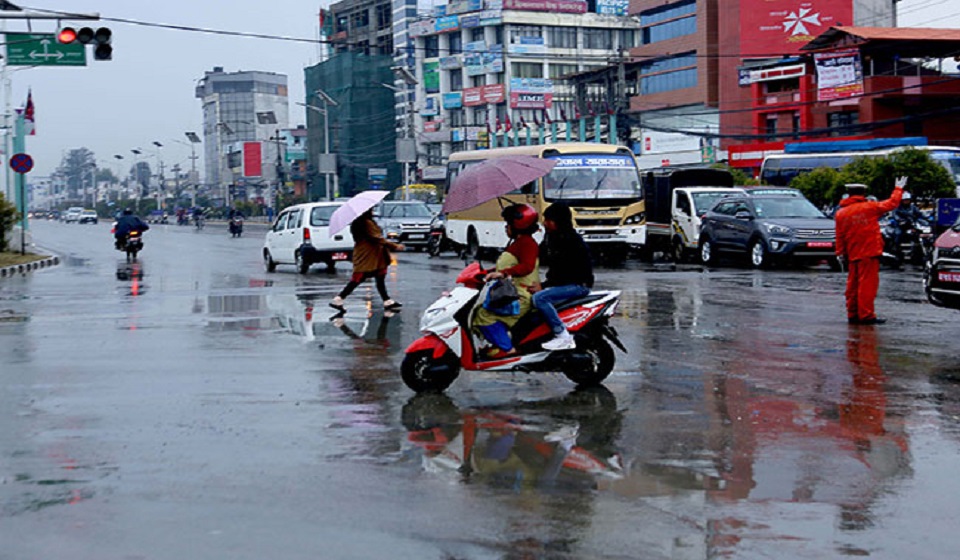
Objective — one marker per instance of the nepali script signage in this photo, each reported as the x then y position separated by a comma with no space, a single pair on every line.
839,74
556,6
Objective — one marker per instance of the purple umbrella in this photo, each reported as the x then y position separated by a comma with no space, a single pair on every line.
353,208
494,177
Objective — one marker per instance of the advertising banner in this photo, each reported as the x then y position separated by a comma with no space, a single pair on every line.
467,22
613,7
531,93
748,76
494,93
252,159
431,77
450,62
447,23
430,107
431,126
655,142
464,6
556,6
839,74
528,45
779,27
491,16
452,100
473,96
422,27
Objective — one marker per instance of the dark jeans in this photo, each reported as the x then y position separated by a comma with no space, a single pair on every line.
379,276
547,298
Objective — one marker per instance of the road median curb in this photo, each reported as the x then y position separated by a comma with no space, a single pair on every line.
24,268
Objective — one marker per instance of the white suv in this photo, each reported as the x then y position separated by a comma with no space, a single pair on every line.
72,214
300,237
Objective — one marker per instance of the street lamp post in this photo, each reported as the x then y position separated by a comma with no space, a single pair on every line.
160,180
194,140
408,80
327,103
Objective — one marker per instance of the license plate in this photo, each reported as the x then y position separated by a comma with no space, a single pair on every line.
820,244
417,236
339,256
948,276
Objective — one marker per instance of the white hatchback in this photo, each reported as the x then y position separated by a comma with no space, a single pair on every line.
300,236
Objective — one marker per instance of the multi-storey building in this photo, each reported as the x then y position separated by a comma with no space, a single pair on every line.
484,68
242,113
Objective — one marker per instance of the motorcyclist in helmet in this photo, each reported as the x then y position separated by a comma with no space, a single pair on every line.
519,262
904,216
127,222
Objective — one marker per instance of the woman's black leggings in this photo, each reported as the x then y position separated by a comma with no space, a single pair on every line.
358,277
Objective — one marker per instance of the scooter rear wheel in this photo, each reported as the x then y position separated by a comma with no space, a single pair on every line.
602,363
423,374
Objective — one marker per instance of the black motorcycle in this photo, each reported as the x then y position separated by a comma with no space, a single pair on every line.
906,239
236,226
131,244
438,240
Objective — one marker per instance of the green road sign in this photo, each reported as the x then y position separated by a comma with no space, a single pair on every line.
42,49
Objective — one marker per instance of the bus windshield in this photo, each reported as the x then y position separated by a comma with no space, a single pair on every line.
950,160
592,176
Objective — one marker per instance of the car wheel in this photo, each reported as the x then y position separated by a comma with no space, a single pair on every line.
706,251
302,266
759,257
268,262
679,252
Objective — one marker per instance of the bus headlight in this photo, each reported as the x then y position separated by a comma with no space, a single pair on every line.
635,219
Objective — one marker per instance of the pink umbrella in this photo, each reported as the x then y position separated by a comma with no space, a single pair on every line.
494,177
353,208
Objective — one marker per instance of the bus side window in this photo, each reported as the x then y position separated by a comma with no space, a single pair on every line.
683,203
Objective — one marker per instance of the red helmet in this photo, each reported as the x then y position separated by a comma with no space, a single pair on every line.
520,217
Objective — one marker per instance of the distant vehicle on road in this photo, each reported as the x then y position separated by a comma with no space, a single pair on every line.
767,229
72,214
406,222
87,217
941,277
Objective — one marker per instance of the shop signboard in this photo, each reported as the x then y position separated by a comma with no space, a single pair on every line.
450,62
447,24
467,22
431,77
430,107
491,16
554,6
421,28
528,45
493,93
613,7
464,6
473,96
839,74
453,100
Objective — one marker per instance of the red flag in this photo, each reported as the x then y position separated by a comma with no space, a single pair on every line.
576,112
28,115
606,107
507,125
590,108
523,123
498,124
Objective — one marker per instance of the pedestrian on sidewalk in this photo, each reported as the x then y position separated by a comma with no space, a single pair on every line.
569,275
859,247
371,257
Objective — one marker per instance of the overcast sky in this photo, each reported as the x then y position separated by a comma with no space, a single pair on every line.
145,93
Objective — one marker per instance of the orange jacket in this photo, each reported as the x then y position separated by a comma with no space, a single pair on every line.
858,226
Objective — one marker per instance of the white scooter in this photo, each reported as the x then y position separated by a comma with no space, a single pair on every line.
434,361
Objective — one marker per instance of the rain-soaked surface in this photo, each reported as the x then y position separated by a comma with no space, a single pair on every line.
194,406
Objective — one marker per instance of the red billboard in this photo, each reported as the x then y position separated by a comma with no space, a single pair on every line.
777,27
494,93
473,97
252,159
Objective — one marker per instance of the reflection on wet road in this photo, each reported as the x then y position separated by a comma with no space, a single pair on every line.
192,391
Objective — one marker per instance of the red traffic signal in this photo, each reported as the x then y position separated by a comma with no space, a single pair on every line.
66,35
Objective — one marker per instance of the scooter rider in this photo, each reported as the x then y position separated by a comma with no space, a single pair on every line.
570,272
127,222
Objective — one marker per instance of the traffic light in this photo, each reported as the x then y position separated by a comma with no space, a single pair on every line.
100,39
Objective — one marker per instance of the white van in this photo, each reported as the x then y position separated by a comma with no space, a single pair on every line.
300,236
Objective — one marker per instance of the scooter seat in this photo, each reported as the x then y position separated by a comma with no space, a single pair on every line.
534,318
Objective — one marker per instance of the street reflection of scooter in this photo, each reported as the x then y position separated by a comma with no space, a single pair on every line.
569,440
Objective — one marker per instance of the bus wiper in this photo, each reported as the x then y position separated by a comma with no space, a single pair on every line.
596,188
560,188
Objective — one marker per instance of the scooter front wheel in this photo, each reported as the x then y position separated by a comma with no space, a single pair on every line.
423,374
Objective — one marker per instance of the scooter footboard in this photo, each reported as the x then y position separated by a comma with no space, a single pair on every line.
430,342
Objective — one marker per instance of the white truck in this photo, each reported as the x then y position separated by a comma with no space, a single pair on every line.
676,198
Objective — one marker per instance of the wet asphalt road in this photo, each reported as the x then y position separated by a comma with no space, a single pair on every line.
211,410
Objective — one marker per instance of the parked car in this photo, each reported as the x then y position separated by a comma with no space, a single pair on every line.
406,222
767,229
72,214
300,236
87,217
941,275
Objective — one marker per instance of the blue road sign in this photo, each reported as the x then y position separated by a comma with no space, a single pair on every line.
21,163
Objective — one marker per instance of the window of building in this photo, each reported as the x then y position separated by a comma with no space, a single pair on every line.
842,119
477,81
517,31
796,123
431,46
780,86
360,19
434,154
480,116
668,74
562,37
594,38
771,125
498,35
456,117
477,34
559,70
456,80
455,44
670,30
386,48
343,24
527,70
668,11
628,38
383,16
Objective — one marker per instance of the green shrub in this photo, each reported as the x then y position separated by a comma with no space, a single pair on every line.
8,218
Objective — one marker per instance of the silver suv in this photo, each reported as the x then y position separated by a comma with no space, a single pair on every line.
406,222
300,236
